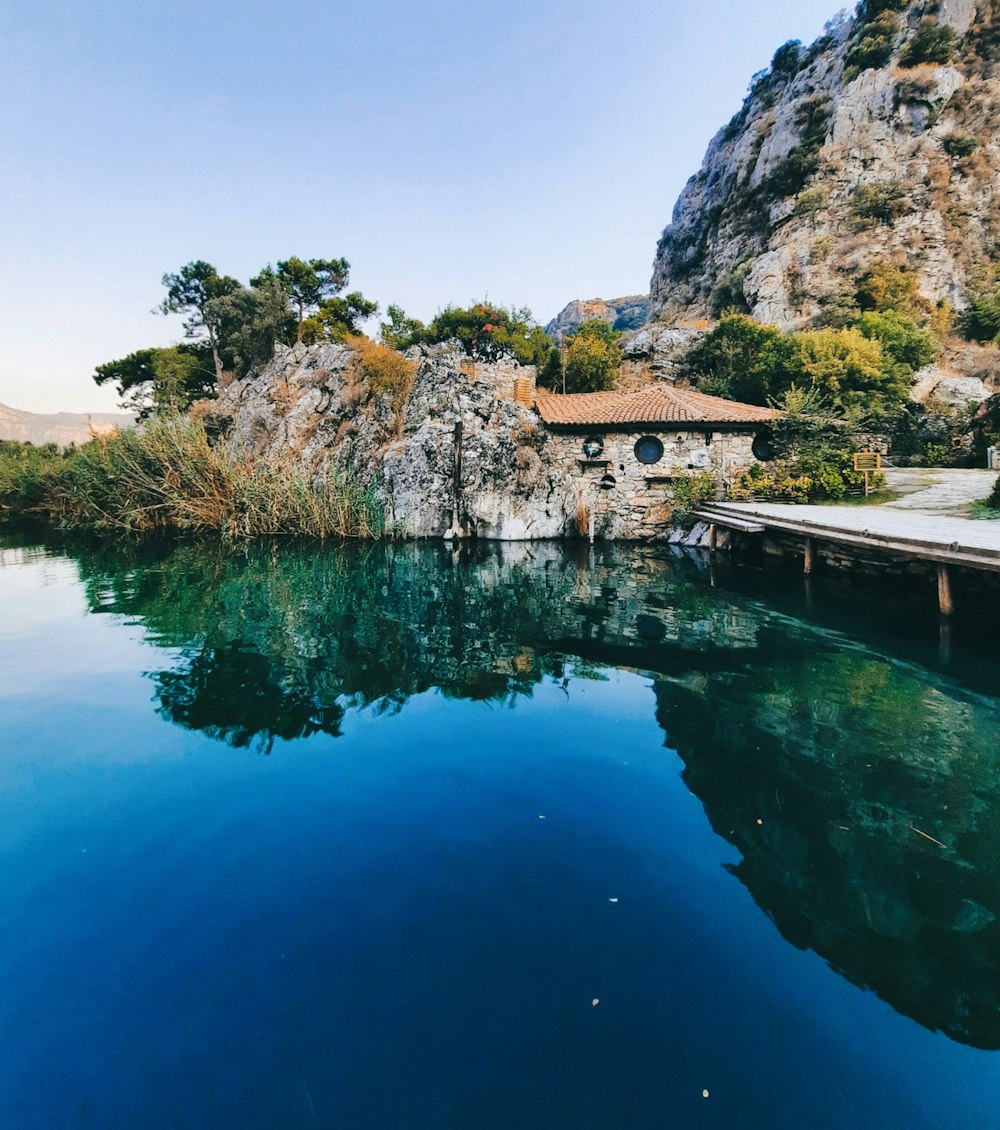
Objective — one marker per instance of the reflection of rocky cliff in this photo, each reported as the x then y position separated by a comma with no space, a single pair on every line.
826,766
828,779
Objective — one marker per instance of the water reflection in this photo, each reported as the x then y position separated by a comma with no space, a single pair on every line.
862,792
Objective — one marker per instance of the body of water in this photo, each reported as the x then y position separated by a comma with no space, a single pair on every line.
391,837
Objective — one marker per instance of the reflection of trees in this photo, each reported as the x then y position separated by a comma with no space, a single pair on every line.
838,754
819,774
279,642
234,694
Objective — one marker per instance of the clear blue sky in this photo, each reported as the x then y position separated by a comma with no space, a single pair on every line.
529,151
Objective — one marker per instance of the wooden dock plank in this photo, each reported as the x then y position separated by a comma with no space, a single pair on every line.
928,537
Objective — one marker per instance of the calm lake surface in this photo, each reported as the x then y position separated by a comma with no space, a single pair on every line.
389,837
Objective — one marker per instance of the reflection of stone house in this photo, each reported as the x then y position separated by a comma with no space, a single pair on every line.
626,449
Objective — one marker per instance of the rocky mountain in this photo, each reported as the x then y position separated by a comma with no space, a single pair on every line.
61,428
626,313
879,143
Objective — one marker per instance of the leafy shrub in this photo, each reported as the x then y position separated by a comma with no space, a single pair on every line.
813,456
787,58
688,493
729,295
877,202
902,339
871,9
849,370
937,455
813,119
741,360
993,502
790,174
932,43
811,202
550,375
885,287
401,331
489,332
873,46
385,370
981,321
959,145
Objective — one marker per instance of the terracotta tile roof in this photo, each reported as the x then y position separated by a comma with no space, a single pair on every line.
660,404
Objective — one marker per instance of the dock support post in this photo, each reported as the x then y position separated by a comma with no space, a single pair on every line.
713,537
945,603
808,561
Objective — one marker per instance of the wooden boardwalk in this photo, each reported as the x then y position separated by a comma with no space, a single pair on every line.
945,541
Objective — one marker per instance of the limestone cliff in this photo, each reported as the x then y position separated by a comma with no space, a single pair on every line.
848,152
626,313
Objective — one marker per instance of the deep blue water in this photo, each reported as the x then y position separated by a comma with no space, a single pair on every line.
354,838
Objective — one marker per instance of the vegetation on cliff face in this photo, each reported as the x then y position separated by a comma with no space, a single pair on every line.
878,142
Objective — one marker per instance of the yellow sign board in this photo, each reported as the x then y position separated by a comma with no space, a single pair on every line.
867,461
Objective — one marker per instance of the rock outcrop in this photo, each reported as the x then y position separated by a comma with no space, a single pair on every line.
846,153
627,313
310,405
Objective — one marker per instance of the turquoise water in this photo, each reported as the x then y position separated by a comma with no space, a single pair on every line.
356,837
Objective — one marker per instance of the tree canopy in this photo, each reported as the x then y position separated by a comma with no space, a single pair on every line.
161,380
593,357
307,283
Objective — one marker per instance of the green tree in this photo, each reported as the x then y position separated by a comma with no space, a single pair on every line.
189,292
307,283
402,331
250,320
338,318
161,380
489,332
742,360
593,357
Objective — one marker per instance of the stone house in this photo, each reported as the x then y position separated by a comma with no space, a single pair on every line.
625,450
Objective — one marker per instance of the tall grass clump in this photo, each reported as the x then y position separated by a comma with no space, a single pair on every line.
170,476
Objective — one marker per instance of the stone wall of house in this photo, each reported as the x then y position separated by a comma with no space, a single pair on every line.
639,506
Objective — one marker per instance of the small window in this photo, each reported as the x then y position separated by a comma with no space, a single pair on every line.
763,447
593,447
649,450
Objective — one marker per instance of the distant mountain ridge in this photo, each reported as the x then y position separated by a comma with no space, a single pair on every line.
61,428
626,313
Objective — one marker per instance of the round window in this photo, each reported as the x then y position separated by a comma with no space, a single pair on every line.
649,450
763,447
